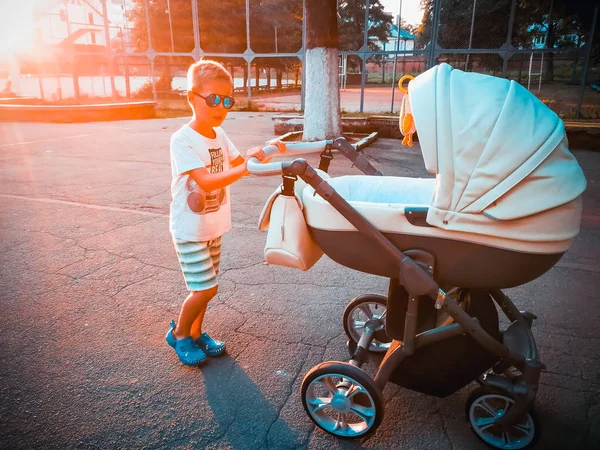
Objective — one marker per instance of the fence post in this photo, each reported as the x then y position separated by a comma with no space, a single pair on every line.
76,93
586,64
248,50
471,34
150,51
399,20
303,50
196,26
111,61
508,44
363,78
40,80
437,6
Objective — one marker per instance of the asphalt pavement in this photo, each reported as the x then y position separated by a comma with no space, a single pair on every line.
89,282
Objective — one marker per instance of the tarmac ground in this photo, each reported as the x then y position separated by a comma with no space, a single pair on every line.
90,280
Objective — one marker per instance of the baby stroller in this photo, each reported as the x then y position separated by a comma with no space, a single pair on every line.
504,207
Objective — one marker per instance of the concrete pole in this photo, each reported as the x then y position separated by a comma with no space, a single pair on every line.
322,109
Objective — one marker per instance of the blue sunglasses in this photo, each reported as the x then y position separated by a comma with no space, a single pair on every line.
213,100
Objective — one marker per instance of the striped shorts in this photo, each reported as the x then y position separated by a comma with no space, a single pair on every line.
199,262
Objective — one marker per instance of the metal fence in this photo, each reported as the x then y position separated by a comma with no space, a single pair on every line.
140,49
542,45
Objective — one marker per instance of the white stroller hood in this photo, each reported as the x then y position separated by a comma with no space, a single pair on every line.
499,155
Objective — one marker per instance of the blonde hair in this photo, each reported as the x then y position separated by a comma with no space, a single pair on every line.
204,71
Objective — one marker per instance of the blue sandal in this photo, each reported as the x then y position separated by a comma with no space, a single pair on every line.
188,352
210,346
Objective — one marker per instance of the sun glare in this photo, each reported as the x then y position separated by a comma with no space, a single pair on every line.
16,27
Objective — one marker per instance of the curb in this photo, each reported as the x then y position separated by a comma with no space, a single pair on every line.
77,113
581,135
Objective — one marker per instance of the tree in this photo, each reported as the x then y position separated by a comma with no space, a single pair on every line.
276,27
562,28
222,27
352,24
322,108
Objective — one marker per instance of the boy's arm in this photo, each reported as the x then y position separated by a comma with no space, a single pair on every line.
212,181
237,161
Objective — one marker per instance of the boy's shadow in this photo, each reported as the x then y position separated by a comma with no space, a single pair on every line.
245,417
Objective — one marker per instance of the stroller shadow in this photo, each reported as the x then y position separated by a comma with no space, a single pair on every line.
246,419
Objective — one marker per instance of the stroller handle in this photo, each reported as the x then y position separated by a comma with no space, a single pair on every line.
255,167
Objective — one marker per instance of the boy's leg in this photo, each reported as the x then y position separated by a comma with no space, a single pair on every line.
193,308
214,248
196,328
200,264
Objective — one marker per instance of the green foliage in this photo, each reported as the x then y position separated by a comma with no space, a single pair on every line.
352,24
222,26
163,85
562,23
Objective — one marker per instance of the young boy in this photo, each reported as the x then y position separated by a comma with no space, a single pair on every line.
204,162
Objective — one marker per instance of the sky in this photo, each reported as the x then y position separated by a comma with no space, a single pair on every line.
411,10
16,21
16,26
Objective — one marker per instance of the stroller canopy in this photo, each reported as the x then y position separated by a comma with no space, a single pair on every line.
500,156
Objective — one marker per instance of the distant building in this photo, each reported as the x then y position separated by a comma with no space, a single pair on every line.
64,22
398,39
539,34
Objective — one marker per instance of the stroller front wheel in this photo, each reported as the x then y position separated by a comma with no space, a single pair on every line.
369,309
342,399
484,406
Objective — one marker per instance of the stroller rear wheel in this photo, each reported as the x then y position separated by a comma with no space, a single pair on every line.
342,399
361,310
485,405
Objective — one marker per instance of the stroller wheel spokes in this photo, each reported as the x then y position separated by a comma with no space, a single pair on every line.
342,400
367,310
485,406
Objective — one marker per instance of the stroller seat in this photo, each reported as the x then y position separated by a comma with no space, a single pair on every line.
398,207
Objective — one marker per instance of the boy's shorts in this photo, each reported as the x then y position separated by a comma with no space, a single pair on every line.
199,262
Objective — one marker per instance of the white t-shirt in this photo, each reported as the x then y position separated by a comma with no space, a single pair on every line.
197,215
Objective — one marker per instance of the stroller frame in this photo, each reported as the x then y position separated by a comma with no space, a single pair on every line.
415,273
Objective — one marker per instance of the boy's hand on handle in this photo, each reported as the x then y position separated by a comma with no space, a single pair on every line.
256,152
280,145
259,153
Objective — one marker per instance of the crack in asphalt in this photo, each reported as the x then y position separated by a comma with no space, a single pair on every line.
594,389
269,339
438,412
235,414
287,397
272,283
131,284
233,269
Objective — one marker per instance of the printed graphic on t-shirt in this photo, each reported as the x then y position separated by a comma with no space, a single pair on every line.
202,202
